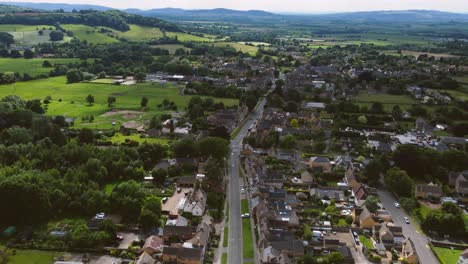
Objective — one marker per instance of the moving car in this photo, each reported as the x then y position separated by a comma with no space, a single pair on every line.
397,205
406,220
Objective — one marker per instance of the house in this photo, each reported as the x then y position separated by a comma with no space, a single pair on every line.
178,254
360,193
178,232
315,105
145,258
153,245
202,236
365,218
270,255
320,164
421,125
389,235
408,252
428,191
461,183
307,177
196,203
328,194
346,253
186,181
292,248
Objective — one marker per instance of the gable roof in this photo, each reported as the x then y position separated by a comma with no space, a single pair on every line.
154,243
429,189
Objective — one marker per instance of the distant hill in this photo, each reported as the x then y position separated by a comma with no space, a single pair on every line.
399,16
230,15
14,9
218,14
53,6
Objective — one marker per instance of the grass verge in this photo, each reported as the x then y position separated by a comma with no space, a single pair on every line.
247,242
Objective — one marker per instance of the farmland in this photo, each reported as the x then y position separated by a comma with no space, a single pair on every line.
90,34
139,33
252,50
172,47
69,99
32,67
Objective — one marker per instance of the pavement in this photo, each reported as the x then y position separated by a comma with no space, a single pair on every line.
420,240
235,255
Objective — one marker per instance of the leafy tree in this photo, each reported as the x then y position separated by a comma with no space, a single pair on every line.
185,148
288,142
127,198
372,171
214,147
110,101
144,102
150,213
35,105
16,135
86,136
90,99
307,233
28,54
6,39
159,176
371,204
399,182
377,107
221,132
294,123
362,119
56,36
74,76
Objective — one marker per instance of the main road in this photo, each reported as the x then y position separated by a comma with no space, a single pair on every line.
235,255
425,254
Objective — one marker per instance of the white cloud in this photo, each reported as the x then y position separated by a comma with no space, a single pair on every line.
281,5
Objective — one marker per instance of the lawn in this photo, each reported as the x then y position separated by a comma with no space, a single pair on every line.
366,241
108,188
73,103
247,242
226,235
384,99
119,138
33,257
224,258
244,206
103,81
252,50
447,255
90,34
33,67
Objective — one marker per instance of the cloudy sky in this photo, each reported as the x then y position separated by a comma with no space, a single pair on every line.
303,6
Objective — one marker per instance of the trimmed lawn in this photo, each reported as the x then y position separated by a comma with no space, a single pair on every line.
226,236
244,206
366,241
247,242
33,67
447,255
73,103
33,257
224,258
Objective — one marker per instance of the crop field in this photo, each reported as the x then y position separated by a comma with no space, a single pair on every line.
184,37
32,67
172,47
74,105
22,28
90,34
252,50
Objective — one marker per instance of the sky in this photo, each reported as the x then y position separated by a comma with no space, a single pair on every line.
300,6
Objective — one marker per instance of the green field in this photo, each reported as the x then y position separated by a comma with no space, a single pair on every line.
29,35
90,34
33,257
139,33
184,37
119,138
388,100
73,102
252,50
172,47
447,255
31,66
247,243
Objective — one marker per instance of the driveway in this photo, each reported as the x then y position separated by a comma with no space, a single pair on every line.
127,240
409,230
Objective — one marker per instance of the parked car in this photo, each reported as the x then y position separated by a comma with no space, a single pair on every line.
246,215
164,200
100,216
406,220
